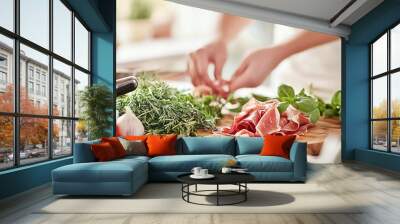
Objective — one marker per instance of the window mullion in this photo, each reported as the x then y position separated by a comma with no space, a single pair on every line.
73,82
16,84
50,81
389,101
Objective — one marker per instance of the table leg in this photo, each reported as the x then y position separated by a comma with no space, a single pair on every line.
217,194
195,188
245,193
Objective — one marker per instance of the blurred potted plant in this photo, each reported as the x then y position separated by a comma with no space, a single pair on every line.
96,102
136,26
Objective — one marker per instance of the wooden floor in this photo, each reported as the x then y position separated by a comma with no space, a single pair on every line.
379,189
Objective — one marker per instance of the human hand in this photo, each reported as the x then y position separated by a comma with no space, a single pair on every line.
256,67
214,53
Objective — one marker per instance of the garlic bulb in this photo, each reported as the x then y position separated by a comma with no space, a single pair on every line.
129,124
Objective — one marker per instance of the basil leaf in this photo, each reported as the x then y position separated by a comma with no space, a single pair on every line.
329,112
306,104
314,116
336,100
302,92
285,91
261,98
283,106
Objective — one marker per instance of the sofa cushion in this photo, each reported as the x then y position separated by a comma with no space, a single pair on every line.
277,145
206,145
116,145
249,145
257,163
112,171
161,145
103,152
185,163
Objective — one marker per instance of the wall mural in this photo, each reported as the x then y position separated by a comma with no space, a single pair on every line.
201,73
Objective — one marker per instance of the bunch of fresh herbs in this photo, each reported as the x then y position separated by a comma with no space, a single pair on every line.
163,109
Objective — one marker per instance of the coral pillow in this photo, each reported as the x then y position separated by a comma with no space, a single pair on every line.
116,145
161,145
136,138
277,145
103,152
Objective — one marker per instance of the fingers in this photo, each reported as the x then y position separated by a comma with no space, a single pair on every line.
241,79
198,68
218,66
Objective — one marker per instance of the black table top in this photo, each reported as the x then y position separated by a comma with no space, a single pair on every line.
220,178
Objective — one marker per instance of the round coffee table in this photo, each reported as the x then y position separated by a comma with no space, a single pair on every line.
238,179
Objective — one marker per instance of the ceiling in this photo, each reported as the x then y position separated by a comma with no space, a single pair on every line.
326,16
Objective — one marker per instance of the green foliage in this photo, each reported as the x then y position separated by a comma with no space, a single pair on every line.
334,108
164,110
303,102
140,10
97,102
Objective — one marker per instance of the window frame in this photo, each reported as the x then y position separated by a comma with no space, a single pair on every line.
16,114
388,74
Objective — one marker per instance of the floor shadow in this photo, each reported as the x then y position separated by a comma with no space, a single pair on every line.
256,198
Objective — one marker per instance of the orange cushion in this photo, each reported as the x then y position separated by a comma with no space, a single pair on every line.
116,145
136,138
277,145
160,145
103,152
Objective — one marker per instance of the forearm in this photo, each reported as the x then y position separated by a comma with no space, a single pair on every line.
230,26
303,41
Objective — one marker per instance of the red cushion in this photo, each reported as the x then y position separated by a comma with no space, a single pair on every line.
136,138
116,145
277,145
103,152
161,145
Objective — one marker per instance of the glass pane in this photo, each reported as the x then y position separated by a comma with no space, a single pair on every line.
35,21
395,94
81,131
6,74
81,45
33,139
379,135
379,55
379,97
395,138
62,138
34,96
7,14
395,47
6,142
62,29
62,89
81,81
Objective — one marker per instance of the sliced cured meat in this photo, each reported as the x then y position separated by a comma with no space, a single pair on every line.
269,122
261,118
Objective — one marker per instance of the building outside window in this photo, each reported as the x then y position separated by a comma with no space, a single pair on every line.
30,87
59,127
385,95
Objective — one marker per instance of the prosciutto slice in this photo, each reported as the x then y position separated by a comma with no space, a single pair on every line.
262,118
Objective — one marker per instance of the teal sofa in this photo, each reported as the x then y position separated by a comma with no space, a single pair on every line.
125,176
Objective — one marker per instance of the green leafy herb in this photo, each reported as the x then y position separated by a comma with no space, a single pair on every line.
163,109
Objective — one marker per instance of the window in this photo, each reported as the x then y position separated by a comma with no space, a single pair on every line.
81,45
30,87
6,73
7,14
35,21
385,97
48,80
